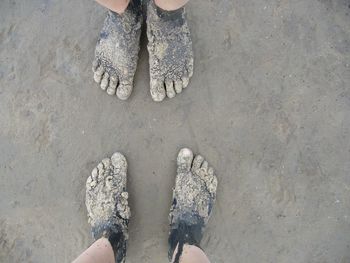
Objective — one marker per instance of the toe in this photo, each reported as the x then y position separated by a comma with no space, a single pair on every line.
204,166
190,68
197,162
106,163
184,160
125,195
100,171
98,74
91,180
94,174
88,182
105,81
124,90
212,182
113,81
211,172
157,90
178,86
185,81
120,164
169,86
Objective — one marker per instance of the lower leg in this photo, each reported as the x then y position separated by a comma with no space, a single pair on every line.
193,199
117,6
170,5
99,252
108,211
169,47
192,254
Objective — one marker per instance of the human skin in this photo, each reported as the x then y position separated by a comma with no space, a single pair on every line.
101,252
170,5
192,254
119,6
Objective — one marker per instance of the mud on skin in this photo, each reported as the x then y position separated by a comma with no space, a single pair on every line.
170,51
116,52
107,203
193,199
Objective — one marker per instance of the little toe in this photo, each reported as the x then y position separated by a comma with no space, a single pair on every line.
178,86
169,86
105,81
113,81
89,183
124,90
94,174
98,73
184,160
185,81
197,162
91,180
190,68
212,182
157,90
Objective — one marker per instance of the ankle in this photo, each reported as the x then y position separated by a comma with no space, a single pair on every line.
184,234
114,234
176,16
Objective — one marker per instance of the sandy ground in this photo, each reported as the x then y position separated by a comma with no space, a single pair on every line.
268,106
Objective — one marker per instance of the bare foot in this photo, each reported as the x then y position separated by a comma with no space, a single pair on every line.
107,203
170,51
193,199
117,49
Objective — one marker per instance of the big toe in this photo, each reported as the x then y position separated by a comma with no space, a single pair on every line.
184,160
120,164
157,90
124,90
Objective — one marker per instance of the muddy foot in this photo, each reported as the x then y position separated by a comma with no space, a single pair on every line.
193,199
116,52
170,51
107,203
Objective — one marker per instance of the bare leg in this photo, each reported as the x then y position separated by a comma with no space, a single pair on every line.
117,48
117,6
99,252
170,5
193,199
192,254
170,48
108,211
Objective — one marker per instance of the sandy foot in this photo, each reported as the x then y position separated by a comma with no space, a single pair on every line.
193,199
170,51
117,49
107,203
